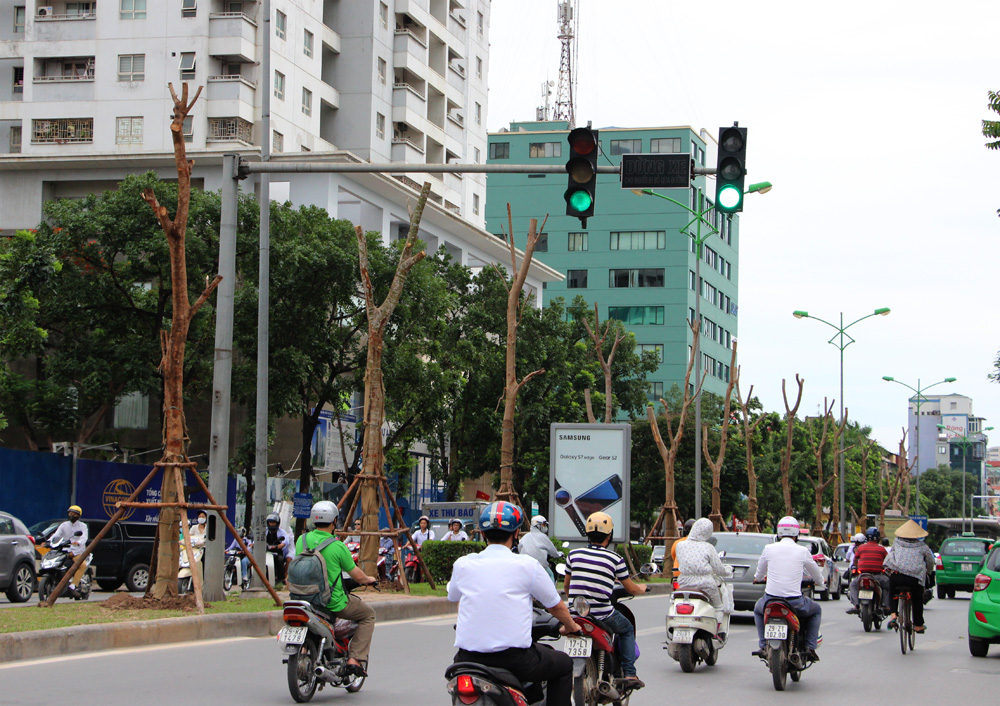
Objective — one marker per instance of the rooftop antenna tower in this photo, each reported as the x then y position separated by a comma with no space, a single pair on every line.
569,26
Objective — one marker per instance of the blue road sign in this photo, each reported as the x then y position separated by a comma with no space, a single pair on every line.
920,520
303,504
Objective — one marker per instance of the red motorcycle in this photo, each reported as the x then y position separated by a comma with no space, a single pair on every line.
385,572
785,652
596,653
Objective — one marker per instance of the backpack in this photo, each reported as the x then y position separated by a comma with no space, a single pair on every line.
307,578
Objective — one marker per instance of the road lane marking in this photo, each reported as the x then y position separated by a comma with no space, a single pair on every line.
127,650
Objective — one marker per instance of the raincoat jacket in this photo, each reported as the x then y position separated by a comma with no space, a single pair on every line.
699,563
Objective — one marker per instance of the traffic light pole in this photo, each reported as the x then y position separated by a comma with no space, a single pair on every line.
247,168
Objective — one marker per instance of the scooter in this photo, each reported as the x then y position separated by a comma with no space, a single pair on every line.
317,645
473,684
234,571
185,581
696,630
383,555
55,563
785,652
870,607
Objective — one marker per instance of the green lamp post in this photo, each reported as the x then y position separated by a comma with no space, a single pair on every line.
841,340
699,217
965,441
918,401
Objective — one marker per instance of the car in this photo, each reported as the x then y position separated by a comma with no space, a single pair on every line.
984,608
659,552
843,567
823,556
743,551
961,558
17,559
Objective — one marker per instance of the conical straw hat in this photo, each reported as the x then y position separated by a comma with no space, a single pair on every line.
911,530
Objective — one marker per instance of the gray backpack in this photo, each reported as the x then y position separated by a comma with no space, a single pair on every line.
307,577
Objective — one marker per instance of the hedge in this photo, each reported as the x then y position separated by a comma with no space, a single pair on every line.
441,556
643,553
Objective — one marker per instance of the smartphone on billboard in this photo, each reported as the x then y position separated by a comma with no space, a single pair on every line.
565,501
601,496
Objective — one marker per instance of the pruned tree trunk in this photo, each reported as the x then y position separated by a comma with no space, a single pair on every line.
604,363
716,464
819,485
591,419
173,342
786,459
893,484
749,433
511,385
374,409
866,449
838,460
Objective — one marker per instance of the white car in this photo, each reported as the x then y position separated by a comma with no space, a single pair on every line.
821,552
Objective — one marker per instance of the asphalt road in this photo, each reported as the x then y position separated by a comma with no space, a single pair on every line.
409,659
95,596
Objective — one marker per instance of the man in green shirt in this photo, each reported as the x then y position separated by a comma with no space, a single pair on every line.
342,604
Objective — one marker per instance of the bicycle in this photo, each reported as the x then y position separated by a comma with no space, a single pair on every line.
904,620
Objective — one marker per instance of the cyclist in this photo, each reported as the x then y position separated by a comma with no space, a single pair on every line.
909,564
868,559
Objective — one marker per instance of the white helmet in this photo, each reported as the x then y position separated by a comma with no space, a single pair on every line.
788,526
859,538
324,513
539,520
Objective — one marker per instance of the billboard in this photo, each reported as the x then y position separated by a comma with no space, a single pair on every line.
955,424
589,471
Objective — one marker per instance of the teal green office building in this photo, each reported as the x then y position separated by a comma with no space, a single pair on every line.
632,258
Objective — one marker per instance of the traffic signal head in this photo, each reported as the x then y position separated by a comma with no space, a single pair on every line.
731,169
582,169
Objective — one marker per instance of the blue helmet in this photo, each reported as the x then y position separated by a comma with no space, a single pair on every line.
872,534
501,515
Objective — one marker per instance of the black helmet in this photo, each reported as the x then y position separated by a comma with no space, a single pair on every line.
688,524
273,517
873,534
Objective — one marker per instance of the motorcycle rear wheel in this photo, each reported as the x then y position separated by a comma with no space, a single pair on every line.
866,616
302,679
779,671
83,590
229,578
585,685
44,588
687,658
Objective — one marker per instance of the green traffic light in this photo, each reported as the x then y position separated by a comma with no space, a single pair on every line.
729,197
580,201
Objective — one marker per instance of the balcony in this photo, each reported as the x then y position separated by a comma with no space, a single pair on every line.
405,42
230,129
230,88
62,131
55,23
406,96
232,34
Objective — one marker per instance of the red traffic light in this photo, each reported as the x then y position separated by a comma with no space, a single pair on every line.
582,140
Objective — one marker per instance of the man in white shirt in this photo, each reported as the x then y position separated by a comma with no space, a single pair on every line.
784,564
68,530
494,590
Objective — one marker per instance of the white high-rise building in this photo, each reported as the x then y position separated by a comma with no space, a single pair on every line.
84,98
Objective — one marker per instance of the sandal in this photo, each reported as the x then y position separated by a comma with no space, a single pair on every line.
919,629
632,682
891,625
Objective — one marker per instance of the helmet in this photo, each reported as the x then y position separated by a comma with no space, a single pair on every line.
323,513
456,521
539,520
788,526
273,517
76,509
859,538
872,534
423,517
600,522
688,524
501,515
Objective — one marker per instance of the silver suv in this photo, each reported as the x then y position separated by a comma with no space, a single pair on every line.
17,559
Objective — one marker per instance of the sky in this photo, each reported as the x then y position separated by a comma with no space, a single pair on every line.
866,117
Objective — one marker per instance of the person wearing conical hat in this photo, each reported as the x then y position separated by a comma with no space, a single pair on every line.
909,563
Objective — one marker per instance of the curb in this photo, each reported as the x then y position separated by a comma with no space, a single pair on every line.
57,642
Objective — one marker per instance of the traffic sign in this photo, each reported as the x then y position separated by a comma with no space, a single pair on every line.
656,171
920,520
303,505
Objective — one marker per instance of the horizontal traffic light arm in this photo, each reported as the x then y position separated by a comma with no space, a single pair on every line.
400,167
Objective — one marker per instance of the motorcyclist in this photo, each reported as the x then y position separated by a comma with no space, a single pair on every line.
455,532
868,559
673,548
783,565
700,565
342,604
279,544
494,590
909,563
77,543
537,544
234,546
591,573
856,541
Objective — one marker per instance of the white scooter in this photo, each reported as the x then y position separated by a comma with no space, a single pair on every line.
696,630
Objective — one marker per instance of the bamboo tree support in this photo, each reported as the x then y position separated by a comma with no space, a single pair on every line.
196,583
716,464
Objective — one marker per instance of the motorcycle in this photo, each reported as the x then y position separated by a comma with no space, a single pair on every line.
234,571
54,565
870,604
384,574
696,630
317,646
185,581
473,684
785,651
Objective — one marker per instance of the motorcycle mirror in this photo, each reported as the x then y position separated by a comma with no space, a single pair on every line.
722,554
561,569
565,545
647,569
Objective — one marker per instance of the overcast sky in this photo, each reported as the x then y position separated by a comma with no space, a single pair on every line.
866,118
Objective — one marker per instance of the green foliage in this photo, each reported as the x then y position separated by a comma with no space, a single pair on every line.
991,128
441,556
643,552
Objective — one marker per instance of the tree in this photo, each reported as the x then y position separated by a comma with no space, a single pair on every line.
991,130
716,463
605,361
819,485
786,459
749,435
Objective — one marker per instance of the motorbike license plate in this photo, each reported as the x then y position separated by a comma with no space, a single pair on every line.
578,646
292,636
775,632
866,595
683,635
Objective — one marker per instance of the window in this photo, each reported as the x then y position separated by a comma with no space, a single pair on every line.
307,101
654,390
656,348
644,277
188,65
576,279
538,150
637,315
542,245
665,144
79,9
279,85
15,139
383,14
381,70
639,240
230,130
62,130
189,8
307,42
19,16
500,150
479,114
131,67
280,24
691,282
132,411
18,86
380,126
578,242
188,129
479,67
278,142
475,204
476,155
132,10
942,450
129,131
479,23
625,146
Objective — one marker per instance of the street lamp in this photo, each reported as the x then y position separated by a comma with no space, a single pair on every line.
965,441
919,401
699,214
841,340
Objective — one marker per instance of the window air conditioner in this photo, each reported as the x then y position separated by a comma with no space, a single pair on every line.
45,11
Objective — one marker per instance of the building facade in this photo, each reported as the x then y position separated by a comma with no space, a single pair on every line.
632,259
938,446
